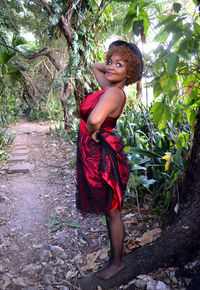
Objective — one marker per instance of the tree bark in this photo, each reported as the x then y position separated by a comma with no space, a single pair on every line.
179,243
64,96
139,90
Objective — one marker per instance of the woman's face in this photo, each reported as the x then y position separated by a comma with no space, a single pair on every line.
116,69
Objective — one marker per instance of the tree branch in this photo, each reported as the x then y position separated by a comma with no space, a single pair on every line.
46,6
42,52
95,19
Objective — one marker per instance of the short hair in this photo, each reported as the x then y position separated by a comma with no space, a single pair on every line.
132,55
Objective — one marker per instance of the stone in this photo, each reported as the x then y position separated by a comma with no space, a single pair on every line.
3,198
64,288
32,268
141,284
13,159
18,283
47,279
60,252
20,168
50,288
1,268
14,248
151,285
20,152
161,286
45,255
20,147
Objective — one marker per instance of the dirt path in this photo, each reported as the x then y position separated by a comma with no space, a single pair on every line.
28,248
40,189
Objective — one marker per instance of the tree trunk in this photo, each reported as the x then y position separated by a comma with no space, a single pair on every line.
80,93
179,243
64,96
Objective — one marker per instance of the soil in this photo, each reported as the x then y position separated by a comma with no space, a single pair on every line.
45,243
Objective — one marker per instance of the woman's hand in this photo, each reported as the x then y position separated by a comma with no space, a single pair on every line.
94,136
100,74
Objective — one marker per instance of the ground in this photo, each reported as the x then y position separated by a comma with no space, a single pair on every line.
45,243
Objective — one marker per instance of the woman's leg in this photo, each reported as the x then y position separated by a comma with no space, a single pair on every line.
116,235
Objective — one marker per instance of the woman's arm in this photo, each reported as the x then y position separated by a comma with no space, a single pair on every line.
109,105
100,74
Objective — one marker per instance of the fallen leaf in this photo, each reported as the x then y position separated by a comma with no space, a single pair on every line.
130,246
72,224
91,259
156,233
70,274
132,221
104,254
92,247
92,235
148,237
4,245
6,284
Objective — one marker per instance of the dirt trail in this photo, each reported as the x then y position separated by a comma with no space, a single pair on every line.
27,200
41,187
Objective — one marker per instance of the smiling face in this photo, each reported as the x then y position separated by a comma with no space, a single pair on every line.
128,58
116,70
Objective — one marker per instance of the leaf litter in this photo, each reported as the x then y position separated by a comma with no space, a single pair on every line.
79,245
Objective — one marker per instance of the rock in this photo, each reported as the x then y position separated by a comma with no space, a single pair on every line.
60,252
13,159
142,281
46,269
151,285
37,246
3,198
14,248
18,283
161,286
20,152
32,268
32,288
45,255
50,288
20,168
48,279
1,269
64,288
62,241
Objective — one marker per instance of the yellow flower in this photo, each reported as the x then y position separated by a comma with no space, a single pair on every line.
168,158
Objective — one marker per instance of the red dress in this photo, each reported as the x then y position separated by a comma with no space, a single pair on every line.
102,168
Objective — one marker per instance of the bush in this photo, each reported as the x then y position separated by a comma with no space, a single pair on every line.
155,157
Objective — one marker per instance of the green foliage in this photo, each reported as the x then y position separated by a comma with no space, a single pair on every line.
176,68
55,223
156,161
9,108
11,79
49,108
69,135
6,140
136,19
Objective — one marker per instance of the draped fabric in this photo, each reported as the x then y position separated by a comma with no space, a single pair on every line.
102,167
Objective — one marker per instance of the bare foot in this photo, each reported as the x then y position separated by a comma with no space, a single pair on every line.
105,265
109,270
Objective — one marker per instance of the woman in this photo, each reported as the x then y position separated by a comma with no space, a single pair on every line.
102,168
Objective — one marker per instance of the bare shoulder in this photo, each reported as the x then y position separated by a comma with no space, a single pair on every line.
114,93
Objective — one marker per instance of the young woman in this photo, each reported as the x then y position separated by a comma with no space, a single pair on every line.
102,167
